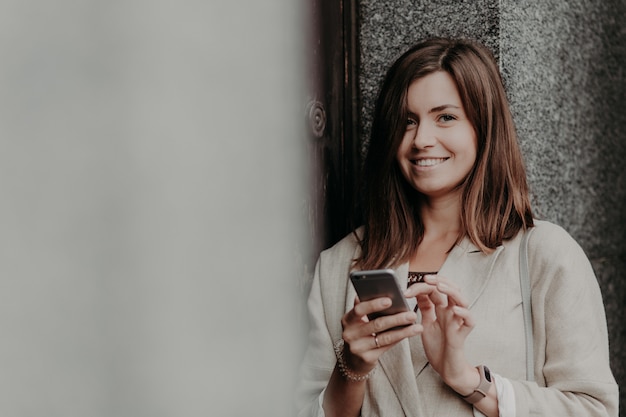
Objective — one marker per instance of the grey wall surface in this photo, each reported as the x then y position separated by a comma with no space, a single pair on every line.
563,68
151,182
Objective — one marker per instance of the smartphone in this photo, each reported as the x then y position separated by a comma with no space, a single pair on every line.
379,283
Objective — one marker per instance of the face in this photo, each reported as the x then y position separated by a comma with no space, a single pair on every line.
439,145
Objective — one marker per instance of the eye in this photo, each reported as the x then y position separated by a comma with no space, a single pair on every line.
411,122
446,117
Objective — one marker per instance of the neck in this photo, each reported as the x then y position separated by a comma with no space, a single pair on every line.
442,216
442,225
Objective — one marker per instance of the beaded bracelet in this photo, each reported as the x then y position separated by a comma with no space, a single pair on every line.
344,371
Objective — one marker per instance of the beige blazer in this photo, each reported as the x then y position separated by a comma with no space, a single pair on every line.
572,371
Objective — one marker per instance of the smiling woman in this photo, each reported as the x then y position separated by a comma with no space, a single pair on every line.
425,90
446,191
438,149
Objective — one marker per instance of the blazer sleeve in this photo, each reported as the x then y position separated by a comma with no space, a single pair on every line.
319,358
570,333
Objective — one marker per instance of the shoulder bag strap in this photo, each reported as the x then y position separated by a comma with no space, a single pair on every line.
526,305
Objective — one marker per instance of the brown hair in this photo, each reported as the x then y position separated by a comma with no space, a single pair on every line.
495,202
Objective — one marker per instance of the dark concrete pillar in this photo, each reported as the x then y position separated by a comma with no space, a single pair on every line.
563,68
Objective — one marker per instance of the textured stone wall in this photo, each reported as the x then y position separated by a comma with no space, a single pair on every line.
388,28
562,64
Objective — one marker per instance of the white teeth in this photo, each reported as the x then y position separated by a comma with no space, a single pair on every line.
429,162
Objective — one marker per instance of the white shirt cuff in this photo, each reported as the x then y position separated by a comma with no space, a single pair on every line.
320,402
506,397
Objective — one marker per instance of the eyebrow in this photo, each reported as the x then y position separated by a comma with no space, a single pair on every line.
443,107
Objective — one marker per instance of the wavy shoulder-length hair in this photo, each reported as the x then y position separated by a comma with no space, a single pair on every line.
495,202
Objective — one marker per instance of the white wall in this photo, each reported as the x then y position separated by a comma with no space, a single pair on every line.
151,179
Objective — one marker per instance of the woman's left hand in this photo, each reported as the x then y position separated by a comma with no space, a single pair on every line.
447,322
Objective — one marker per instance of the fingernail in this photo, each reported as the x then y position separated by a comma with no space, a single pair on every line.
386,302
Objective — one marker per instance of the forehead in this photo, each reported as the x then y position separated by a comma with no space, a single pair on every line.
432,90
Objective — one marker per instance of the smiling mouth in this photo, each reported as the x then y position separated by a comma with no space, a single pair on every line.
428,162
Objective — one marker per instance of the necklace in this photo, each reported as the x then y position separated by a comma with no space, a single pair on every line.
415,277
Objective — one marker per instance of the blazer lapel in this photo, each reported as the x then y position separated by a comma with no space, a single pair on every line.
397,365
398,368
468,268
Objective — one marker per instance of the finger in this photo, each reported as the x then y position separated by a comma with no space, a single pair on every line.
385,323
351,317
418,289
353,320
453,294
389,338
465,315
427,309
372,306
444,286
365,345
357,301
438,298
437,279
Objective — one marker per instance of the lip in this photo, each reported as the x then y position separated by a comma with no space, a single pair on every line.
428,162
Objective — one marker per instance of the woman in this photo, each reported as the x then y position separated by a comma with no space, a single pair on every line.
446,198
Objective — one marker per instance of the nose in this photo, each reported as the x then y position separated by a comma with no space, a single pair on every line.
424,136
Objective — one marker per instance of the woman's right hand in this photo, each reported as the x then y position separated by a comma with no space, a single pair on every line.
365,341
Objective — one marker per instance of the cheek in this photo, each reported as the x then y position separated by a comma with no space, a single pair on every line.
401,152
474,150
401,161
405,145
